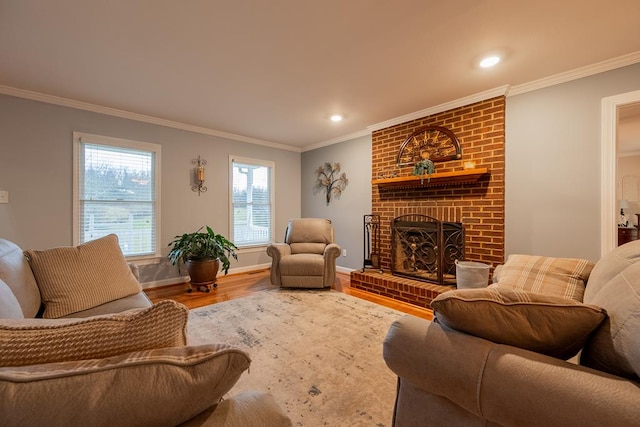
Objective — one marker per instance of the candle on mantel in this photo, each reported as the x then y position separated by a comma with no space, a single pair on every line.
469,165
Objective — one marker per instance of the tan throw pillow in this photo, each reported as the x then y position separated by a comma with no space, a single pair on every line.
162,387
35,341
550,325
72,279
561,277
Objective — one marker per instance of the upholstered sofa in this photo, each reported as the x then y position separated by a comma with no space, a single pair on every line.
307,257
81,344
496,356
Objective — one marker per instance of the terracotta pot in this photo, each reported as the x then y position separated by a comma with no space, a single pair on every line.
203,271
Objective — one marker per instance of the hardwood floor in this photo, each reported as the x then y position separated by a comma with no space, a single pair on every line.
243,284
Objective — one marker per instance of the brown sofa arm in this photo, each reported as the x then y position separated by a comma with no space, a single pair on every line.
506,385
276,251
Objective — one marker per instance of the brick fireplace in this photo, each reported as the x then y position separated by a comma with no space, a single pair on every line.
476,200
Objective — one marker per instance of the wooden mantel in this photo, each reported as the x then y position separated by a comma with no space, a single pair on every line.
433,180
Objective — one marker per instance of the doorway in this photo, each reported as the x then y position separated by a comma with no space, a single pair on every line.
624,105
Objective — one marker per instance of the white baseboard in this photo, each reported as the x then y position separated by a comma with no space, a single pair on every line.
183,279
165,282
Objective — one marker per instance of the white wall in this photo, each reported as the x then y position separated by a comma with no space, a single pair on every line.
35,167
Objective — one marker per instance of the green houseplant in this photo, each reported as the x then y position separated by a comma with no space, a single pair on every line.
202,252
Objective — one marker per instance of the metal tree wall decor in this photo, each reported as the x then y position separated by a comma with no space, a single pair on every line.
330,180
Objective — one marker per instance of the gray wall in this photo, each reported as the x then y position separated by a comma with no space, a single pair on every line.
552,171
553,165
36,168
347,212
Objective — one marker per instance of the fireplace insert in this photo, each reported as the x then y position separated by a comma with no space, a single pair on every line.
425,248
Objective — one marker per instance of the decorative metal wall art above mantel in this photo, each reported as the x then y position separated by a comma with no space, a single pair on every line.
435,143
329,179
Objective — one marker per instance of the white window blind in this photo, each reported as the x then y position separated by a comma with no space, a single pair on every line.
117,188
251,201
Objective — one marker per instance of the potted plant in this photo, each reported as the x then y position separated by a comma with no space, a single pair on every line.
202,252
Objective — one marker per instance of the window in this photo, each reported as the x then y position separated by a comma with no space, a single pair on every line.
116,190
251,201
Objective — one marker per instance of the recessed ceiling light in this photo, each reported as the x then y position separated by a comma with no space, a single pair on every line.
489,61
336,118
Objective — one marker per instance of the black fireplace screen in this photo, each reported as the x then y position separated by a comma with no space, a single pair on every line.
425,248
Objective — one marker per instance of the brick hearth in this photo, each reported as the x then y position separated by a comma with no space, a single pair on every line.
399,288
479,206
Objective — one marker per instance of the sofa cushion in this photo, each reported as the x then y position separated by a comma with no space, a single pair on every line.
16,273
610,265
615,345
73,279
561,277
546,324
9,305
161,387
34,341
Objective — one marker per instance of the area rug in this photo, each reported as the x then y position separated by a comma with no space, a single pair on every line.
319,353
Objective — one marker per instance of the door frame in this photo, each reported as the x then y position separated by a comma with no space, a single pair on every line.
609,160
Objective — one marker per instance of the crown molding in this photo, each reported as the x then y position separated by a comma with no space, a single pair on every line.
336,140
461,102
578,73
80,105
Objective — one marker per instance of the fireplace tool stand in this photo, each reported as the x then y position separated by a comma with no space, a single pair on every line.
371,243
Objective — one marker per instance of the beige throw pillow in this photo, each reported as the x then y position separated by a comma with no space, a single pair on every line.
36,341
561,277
72,279
554,326
162,387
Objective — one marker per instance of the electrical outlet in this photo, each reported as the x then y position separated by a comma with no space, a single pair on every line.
344,252
4,196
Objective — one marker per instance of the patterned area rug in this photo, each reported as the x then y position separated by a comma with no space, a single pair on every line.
318,352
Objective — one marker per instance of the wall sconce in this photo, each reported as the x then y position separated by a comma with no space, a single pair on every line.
198,175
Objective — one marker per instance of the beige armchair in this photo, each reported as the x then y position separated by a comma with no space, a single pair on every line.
307,258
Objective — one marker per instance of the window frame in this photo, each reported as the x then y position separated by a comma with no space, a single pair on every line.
126,144
272,184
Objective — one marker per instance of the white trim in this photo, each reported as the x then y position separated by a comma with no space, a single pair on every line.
506,90
124,143
629,154
165,282
185,279
272,194
345,270
80,105
336,140
461,102
608,207
578,73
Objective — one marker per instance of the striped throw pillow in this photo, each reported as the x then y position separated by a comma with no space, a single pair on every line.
561,277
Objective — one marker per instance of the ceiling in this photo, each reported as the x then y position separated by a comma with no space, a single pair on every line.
274,71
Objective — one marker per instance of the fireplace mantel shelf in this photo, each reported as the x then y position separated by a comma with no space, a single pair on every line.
434,180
